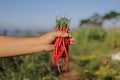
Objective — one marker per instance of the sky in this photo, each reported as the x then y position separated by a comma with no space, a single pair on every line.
41,14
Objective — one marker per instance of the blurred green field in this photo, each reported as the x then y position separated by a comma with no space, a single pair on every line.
90,59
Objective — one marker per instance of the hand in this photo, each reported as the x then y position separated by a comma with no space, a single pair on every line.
48,39
12,46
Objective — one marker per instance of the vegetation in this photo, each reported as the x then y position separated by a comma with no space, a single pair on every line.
90,58
99,20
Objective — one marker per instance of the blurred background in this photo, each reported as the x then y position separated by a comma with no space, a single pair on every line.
95,25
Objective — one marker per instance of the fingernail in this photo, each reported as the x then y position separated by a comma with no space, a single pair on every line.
65,35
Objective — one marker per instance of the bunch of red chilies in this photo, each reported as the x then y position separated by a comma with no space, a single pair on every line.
61,48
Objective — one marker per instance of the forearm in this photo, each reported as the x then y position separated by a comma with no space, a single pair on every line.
10,46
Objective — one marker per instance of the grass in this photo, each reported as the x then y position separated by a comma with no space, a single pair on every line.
89,59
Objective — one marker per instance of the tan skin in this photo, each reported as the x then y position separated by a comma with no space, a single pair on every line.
12,46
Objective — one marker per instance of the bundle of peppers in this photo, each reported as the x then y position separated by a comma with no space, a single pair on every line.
61,49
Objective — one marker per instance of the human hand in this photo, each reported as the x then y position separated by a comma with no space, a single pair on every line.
13,46
48,39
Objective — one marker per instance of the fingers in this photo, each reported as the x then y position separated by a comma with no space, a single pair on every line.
57,33
72,40
70,35
60,34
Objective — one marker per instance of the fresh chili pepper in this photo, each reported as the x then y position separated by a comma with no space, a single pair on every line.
61,49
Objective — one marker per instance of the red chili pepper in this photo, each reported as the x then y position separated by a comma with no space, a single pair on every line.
61,49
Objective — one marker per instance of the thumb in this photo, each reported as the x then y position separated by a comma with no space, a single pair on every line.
60,34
